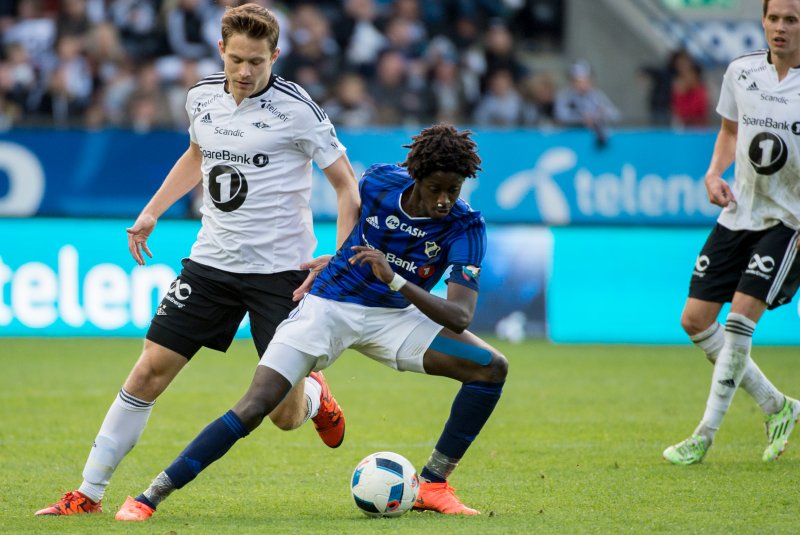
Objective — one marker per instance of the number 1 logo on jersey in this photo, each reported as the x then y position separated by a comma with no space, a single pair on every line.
227,187
768,153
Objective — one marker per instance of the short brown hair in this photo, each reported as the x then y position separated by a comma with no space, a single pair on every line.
254,21
765,5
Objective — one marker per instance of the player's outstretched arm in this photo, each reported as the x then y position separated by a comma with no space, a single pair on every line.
719,192
182,178
455,312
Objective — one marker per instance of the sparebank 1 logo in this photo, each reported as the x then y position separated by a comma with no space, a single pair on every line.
550,200
25,180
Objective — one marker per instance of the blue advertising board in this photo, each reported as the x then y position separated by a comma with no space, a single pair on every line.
73,277
528,177
629,285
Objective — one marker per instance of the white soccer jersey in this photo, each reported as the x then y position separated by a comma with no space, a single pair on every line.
767,174
257,174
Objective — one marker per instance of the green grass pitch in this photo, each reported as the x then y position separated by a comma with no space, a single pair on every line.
573,447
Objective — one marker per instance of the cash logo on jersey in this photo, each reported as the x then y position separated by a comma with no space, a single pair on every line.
393,222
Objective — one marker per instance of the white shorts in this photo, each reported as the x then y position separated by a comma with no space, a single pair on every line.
323,329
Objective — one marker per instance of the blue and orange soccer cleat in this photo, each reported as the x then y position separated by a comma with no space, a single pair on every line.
135,511
329,421
72,503
441,497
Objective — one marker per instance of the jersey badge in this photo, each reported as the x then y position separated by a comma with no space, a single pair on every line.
261,125
431,249
470,272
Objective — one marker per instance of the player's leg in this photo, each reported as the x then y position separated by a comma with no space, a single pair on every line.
482,371
197,311
267,389
269,302
123,425
699,320
413,342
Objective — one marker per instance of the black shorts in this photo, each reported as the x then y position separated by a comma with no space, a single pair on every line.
204,307
763,264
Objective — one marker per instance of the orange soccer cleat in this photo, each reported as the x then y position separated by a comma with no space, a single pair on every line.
72,503
329,421
441,497
133,510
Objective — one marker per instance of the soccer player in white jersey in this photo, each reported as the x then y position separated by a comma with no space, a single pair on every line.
750,258
374,297
253,139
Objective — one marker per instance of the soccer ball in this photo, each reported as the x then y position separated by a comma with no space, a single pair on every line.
384,484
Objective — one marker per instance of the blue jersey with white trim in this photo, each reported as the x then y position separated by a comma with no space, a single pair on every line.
420,249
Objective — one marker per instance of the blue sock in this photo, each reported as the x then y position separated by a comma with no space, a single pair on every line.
211,444
471,409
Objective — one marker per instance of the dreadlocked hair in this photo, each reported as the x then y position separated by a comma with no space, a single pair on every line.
442,148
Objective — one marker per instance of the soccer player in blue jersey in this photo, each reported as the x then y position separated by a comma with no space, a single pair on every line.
374,297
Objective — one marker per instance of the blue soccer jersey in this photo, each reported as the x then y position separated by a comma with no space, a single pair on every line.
420,249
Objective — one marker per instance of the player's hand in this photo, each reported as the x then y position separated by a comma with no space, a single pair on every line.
314,266
137,237
719,192
376,260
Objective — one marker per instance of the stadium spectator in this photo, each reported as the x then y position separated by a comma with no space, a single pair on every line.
248,257
69,84
185,30
689,95
398,97
538,93
139,29
750,257
358,35
501,106
361,301
446,93
582,104
351,105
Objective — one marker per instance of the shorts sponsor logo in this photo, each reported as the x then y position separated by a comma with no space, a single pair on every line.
761,266
162,310
181,292
701,265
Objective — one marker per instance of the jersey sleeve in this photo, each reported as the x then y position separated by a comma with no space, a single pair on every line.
190,98
726,106
466,254
321,144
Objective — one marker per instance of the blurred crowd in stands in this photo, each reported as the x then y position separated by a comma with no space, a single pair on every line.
129,63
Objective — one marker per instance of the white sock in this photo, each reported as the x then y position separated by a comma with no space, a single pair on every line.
313,392
728,372
754,382
121,429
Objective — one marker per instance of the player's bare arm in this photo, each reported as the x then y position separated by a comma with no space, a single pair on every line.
182,178
455,312
343,179
719,191
341,176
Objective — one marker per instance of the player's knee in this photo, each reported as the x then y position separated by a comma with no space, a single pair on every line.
498,368
693,324
285,421
252,411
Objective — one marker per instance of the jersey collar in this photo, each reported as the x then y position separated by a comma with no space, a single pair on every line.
270,82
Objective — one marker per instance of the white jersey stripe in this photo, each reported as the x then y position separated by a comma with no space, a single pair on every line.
786,266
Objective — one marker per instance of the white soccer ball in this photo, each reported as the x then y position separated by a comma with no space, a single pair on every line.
384,484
